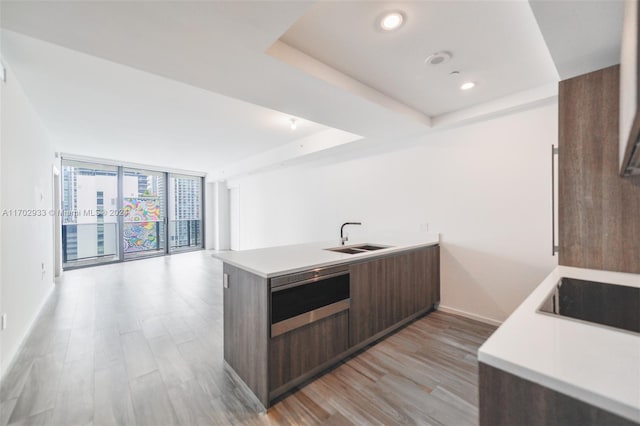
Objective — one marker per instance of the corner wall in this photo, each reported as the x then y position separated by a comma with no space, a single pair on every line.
486,187
26,180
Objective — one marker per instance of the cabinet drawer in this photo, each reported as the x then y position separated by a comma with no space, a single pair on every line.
299,351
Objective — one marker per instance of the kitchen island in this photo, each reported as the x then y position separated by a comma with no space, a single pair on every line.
539,368
292,312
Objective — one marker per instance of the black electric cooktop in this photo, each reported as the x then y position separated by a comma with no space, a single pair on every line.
611,305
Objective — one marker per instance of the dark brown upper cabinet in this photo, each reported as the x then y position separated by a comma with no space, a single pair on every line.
598,210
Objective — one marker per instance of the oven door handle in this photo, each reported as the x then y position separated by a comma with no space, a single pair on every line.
309,281
309,317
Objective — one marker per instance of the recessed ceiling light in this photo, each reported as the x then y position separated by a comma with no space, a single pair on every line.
468,85
392,21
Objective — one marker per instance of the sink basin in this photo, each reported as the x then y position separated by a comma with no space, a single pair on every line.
357,249
347,250
371,247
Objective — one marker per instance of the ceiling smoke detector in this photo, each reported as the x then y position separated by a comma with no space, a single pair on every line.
438,58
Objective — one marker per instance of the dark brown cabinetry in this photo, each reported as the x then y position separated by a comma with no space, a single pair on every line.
507,400
388,290
302,350
384,293
246,328
599,211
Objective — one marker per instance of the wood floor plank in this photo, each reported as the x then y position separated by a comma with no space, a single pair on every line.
137,354
112,399
293,412
173,367
194,407
370,395
412,415
40,419
74,402
178,329
14,379
127,322
153,327
337,420
80,344
345,400
151,402
40,389
6,408
107,348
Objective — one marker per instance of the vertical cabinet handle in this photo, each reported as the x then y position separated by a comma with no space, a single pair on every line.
554,247
225,280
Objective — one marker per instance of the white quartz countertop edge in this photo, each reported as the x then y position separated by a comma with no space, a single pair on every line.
595,364
283,260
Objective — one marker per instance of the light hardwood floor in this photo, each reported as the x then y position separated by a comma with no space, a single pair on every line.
141,343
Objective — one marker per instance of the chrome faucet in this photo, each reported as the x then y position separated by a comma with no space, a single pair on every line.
344,238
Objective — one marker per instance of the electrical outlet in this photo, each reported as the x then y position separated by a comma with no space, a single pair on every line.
4,322
424,227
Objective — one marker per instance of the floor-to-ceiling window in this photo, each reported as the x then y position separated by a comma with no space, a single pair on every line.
113,213
144,206
185,216
89,236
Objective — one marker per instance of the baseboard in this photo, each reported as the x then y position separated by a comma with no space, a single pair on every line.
26,334
466,314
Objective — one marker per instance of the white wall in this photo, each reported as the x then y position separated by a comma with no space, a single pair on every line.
234,219
209,216
221,216
485,187
26,175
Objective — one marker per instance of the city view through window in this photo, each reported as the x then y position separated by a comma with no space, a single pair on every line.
113,213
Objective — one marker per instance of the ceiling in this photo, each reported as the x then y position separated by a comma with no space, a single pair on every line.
581,37
197,85
98,108
347,37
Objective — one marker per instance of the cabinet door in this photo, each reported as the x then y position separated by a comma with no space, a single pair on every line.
598,209
299,351
386,291
373,299
424,278
417,281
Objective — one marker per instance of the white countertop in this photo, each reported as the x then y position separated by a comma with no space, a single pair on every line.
274,261
592,363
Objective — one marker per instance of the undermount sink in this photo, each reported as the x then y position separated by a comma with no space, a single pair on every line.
357,249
